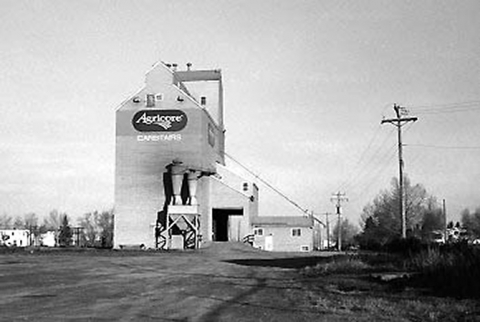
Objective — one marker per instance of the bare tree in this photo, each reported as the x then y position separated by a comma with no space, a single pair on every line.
105,222
382,217
30,222
90,233
98,228
348,232
471,222
54,220
18,223
5,221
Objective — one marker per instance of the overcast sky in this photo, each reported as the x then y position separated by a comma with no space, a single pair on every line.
306,86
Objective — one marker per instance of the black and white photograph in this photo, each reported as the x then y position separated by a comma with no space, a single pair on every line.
215,160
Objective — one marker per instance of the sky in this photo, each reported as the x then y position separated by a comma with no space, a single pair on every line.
306,83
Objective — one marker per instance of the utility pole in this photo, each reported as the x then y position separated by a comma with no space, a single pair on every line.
445,218
76,233
338,198
399,122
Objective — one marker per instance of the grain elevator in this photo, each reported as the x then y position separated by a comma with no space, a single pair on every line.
172,187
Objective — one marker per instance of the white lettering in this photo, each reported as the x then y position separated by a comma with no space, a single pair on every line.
161,137
164,121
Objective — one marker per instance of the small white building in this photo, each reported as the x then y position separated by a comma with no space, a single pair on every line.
15,237
283,233
48,239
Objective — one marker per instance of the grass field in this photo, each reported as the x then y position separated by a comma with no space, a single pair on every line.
223,282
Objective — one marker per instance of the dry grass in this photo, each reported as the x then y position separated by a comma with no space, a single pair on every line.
339,265
346,285
449,271
221,283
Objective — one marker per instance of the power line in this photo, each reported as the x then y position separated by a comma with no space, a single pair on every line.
378,173
360,173
444,147
347,181
373,172
360,159
447,108
443,106
369,167
450,111
268,184
366,179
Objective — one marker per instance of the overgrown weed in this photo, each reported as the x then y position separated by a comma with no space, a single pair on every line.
448,270
452,270
351,264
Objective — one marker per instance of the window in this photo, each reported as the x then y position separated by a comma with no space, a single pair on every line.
150,102
159,97
296,232
304,248
203,100
258,231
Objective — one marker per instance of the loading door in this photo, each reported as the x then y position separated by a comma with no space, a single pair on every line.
222,223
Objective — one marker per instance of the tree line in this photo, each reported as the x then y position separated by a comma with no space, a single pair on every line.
95,229
381,219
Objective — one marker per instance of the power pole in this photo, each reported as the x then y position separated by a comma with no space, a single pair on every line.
444,209
338,198
399,122
76,233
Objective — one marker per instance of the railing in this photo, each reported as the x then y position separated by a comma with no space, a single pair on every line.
248,239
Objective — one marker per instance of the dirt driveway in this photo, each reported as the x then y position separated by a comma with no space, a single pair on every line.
223,282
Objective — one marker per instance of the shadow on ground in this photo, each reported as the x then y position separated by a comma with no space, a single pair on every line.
293,262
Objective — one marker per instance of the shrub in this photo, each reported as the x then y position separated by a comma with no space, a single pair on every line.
406,246
368,243
339,265
452,270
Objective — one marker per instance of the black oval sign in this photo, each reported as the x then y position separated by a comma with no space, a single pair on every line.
159,120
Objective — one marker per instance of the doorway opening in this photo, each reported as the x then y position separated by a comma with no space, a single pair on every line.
222,225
